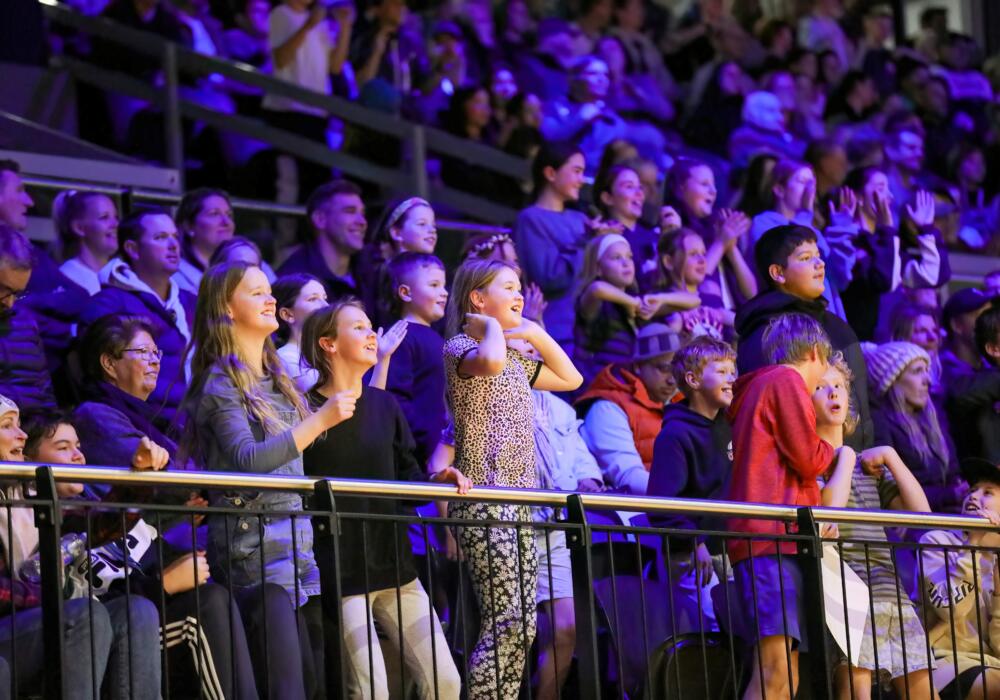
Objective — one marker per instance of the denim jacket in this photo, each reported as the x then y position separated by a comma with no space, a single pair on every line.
233,441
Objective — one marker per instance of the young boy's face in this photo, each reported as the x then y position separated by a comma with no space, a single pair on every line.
984,496
716,384
424,295
830,399
804,275
62,447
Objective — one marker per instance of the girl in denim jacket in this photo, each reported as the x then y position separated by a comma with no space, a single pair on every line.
247,416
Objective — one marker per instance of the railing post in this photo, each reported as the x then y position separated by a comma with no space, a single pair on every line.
48,520
811,560
418,161
172,111
578,541
326,529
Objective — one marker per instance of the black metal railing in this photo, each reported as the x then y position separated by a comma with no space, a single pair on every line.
384,608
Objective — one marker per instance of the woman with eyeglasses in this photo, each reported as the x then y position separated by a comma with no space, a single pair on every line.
120,363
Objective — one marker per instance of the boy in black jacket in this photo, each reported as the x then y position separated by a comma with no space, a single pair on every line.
692,458
793,275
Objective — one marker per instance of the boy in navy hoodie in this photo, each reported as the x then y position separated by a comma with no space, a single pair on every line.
416,374
692,458
793,275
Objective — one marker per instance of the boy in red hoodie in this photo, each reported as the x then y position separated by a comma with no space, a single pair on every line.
777,456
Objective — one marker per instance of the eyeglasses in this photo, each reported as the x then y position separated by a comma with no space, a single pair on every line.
12,294
146,354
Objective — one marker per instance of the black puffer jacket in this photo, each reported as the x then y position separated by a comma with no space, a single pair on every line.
752,320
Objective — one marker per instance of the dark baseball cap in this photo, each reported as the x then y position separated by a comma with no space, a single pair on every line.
962,302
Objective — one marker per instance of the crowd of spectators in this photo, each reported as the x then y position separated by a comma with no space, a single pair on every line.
729,279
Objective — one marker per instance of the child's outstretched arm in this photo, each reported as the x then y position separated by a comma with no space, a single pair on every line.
911,494
557,372
489,357
838,487
388,343
598,291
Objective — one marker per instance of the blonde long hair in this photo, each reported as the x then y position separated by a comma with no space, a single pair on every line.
472,275
214,343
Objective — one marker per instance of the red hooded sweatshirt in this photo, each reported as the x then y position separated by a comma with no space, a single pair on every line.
777,454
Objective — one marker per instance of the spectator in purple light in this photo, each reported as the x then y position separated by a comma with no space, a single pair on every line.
24,377
820,30
904,155
307,52
763,131
336,216
828,159
591,23
550,238
139,282
385,48
247,41
642,56
205,220
620,197
87,223
718,112
545,71
14,198
448,73
873,56
690,189
587,119
482,49
152,16
631,94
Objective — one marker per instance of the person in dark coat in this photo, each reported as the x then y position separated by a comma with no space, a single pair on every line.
793,274
24,375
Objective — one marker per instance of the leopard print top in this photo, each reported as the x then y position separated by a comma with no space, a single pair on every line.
493,418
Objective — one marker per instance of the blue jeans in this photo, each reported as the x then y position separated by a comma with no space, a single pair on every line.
82,670
134,668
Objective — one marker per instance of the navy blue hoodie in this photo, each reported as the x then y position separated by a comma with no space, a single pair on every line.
692,458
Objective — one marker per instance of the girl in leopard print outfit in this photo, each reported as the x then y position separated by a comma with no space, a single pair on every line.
489,395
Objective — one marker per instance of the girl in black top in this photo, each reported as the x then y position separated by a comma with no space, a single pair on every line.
377,574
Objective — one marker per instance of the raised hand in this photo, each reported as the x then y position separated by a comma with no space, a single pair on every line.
922,211
389,341
526,331
883,210
149,456
534,302
809,196
846,204
476,324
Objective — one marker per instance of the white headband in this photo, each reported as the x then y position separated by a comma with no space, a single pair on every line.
6,405
404,207
608,240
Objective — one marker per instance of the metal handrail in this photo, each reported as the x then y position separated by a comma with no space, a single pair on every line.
528,497
182,59
238,203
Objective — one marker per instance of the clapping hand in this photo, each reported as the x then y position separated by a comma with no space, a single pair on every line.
670,220
846,204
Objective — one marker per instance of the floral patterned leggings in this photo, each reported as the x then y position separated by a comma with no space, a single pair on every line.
503,567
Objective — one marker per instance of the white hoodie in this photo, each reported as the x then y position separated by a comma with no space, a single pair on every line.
117,273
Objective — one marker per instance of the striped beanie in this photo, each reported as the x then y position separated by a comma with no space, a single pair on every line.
887,361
